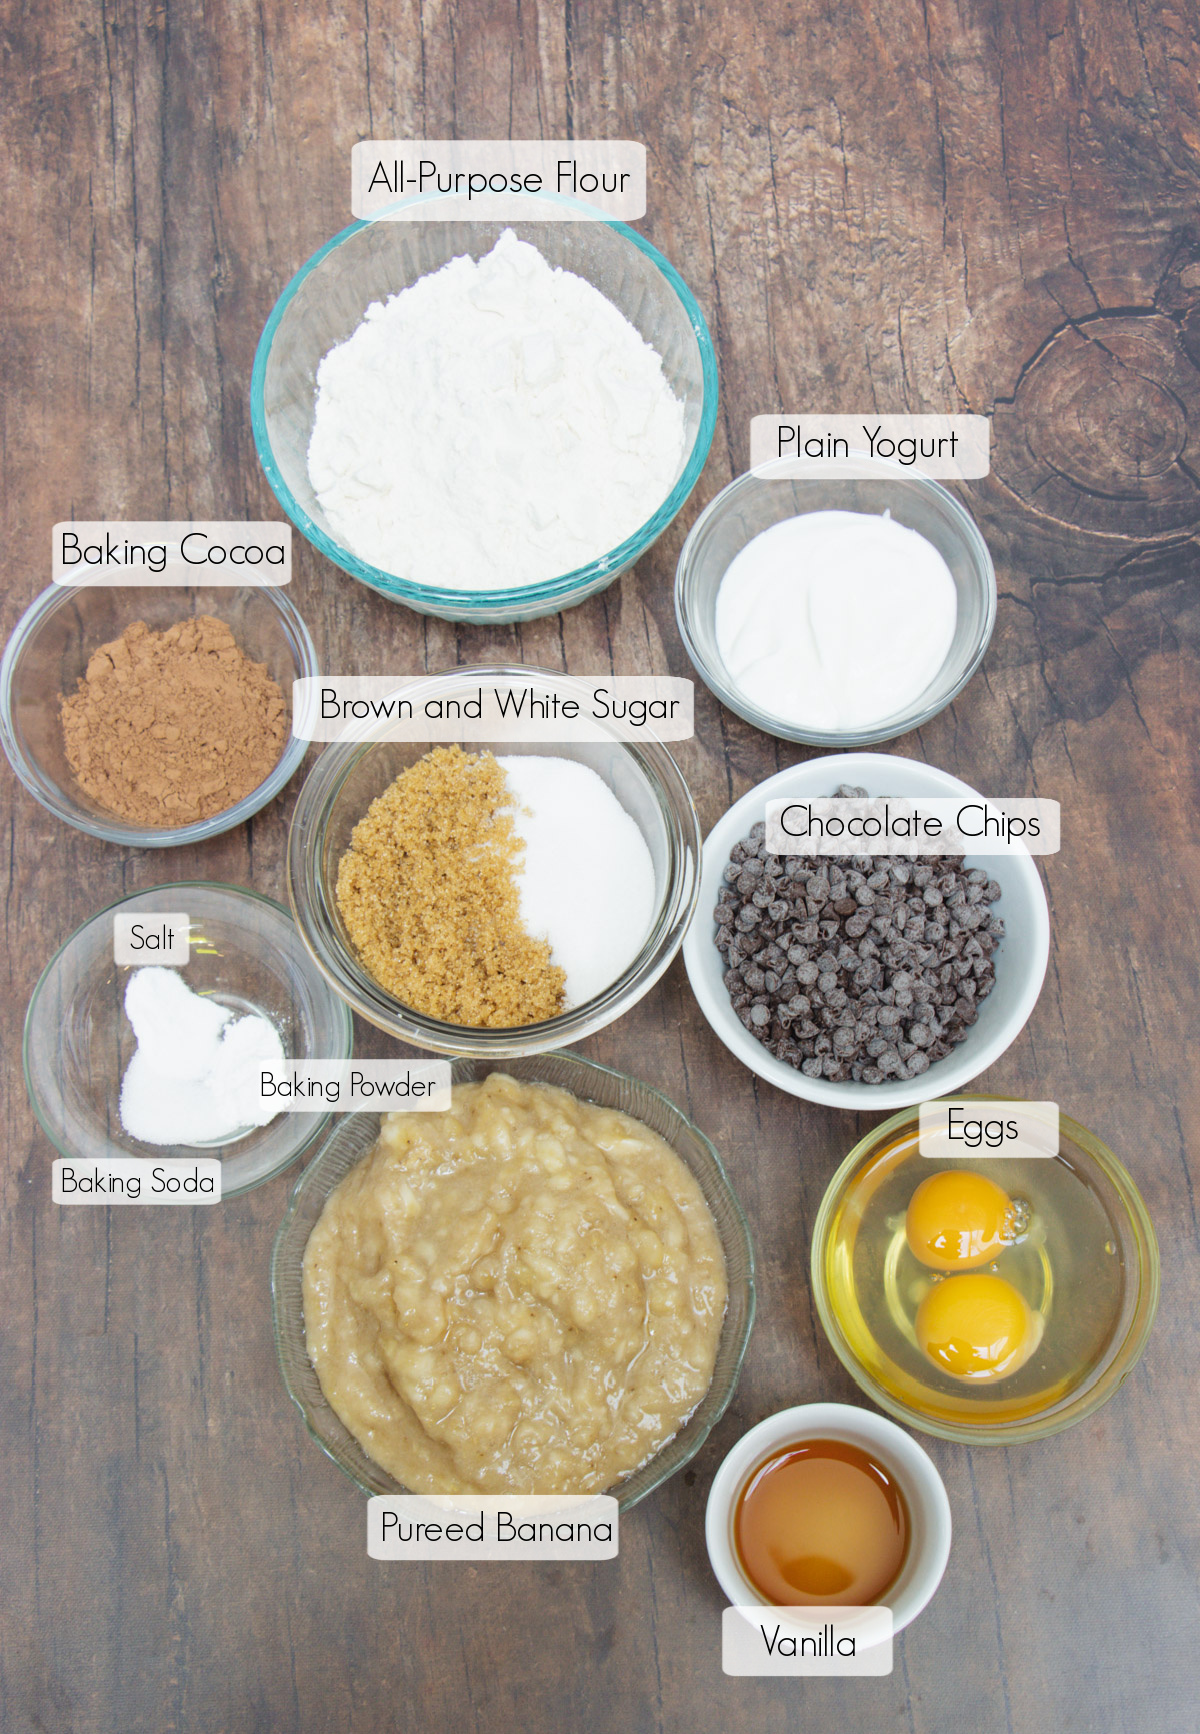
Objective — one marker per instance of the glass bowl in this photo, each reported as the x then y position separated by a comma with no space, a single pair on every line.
326,300
1021,956
49,651
348,776
590,1083
754,502
245,954
1023,1405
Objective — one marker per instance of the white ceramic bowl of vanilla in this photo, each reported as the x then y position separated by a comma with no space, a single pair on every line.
843,609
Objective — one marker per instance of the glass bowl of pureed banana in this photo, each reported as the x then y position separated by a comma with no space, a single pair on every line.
547,1289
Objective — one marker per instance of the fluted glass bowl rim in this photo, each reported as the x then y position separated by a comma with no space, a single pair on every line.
289,1323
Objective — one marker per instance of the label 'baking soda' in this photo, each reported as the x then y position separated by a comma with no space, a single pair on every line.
136,1180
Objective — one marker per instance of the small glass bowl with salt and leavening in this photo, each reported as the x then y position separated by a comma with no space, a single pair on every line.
326,302
245,955
350,774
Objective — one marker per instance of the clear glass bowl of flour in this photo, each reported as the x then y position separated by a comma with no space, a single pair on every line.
757,502
246,955
349,775
325,303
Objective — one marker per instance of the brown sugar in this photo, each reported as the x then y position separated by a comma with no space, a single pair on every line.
167,728
429,895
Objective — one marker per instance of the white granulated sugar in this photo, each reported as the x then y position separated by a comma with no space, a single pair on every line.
194,1076
496,424
587,879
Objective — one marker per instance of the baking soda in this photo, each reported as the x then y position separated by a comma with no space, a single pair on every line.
495,424
587,879
194,1078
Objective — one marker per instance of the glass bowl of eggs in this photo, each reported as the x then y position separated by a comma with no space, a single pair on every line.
980,1296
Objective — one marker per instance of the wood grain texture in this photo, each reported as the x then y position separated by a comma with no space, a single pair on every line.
923,205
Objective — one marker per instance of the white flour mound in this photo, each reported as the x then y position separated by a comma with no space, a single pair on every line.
496,424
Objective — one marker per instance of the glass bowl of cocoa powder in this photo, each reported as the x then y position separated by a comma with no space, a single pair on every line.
154,716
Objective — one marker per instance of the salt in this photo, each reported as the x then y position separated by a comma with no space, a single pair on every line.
194,1078
587,878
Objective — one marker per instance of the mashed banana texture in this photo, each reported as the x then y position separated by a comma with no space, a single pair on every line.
523,1295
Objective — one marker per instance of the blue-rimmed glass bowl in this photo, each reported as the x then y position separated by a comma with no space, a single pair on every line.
326,300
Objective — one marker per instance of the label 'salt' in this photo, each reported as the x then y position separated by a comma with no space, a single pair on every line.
151,939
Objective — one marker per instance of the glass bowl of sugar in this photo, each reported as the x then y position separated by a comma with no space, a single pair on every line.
485,422
141,1059
440,927
841,609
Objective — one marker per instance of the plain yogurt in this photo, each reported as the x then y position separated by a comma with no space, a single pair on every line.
836,621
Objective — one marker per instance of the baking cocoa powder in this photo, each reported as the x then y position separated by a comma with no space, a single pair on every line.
167,728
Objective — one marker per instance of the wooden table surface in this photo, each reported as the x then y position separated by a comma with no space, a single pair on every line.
914,206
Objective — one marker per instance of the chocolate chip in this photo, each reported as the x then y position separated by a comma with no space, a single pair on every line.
854,966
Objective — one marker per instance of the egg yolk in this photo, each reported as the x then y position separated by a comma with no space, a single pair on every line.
976,1327
955,1220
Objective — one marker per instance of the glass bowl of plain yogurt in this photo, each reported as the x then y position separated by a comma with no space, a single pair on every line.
486,422
402,922
841,609
155,1059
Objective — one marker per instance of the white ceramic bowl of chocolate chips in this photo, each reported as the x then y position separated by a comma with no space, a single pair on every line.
864,983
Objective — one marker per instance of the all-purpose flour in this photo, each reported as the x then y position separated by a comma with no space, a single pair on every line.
496,424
